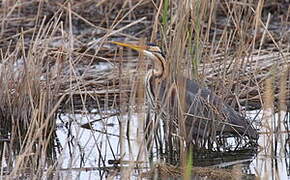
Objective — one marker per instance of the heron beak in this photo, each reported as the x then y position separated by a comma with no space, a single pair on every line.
132,46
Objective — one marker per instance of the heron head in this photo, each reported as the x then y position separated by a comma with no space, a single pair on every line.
154,53
151,50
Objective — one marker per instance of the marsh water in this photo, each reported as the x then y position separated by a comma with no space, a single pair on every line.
92,152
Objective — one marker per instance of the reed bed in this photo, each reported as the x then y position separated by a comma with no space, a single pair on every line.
56,61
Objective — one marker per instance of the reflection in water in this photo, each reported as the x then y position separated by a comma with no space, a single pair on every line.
271,160
92,150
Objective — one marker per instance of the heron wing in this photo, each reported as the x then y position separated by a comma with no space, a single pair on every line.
203,102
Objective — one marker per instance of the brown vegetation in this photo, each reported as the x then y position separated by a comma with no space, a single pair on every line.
51,54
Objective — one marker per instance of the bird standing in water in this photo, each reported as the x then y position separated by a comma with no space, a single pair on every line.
206,115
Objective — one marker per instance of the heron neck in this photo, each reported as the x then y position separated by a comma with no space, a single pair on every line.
159,71
150,95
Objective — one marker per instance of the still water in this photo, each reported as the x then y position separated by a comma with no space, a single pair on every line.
88,148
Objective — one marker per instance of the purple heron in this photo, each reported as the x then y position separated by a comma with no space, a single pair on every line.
201,104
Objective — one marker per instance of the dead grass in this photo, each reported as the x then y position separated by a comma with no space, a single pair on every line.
50,58
167,171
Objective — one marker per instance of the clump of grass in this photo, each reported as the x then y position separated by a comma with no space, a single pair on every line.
169,171
27,112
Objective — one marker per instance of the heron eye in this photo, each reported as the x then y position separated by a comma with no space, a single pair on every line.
151,44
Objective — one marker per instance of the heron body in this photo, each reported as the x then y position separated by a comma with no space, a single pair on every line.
205,114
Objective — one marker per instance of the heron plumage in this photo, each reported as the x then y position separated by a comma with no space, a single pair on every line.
201,104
